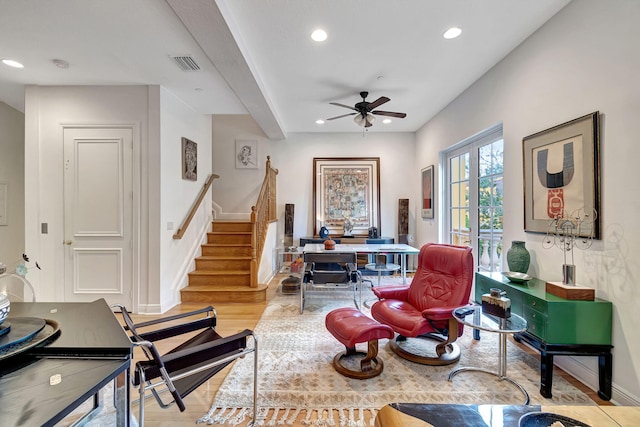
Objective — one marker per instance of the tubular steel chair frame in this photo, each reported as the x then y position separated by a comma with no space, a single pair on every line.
317,274
190,364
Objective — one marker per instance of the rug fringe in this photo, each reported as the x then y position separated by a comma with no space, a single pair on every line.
316,417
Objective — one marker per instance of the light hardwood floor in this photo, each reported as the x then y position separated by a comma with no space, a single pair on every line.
232,318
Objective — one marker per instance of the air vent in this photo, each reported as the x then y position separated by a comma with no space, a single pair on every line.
186,63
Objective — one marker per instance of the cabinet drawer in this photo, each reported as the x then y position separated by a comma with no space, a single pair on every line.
536,322
535,303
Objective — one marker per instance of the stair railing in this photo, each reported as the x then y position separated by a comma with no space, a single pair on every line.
262,214
185,224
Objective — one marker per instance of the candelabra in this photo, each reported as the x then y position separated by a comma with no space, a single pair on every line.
569,231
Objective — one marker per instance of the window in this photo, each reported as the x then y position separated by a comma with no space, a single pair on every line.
474,172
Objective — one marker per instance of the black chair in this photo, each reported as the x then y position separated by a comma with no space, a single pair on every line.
190,364
330,271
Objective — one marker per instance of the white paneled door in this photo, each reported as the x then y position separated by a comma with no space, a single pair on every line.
98,214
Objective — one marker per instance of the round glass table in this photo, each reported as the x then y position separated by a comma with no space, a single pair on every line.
473,316
380,268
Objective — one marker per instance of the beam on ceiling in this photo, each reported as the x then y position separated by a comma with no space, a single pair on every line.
205,21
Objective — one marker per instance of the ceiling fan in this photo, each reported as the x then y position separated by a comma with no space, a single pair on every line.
364,111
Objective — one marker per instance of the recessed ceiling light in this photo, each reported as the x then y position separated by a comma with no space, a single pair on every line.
12,63
386,121
319,35
319,122
452,33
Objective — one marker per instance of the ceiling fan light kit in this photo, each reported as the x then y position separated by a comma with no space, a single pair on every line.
365,111
367,121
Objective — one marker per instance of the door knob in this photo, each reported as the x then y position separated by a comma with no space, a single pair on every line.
67,242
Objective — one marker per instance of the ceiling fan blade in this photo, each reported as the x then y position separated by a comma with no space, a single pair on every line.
378,102
344,115
390,114
342,105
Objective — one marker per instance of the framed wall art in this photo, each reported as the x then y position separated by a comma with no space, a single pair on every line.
427,192
562,175
346,194
189,160
246,154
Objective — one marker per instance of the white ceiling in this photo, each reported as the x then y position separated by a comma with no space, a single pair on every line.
257,56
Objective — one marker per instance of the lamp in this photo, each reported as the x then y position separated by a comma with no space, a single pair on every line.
361,119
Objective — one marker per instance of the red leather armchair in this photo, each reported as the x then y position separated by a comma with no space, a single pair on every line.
424,308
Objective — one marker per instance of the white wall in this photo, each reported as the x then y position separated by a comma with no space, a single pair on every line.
162,195
237,189
46,109
584,59
12,174
178,195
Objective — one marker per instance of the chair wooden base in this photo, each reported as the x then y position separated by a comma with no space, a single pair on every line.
446,353
370,366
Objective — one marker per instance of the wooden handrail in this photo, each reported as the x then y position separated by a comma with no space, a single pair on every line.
262,214
195,206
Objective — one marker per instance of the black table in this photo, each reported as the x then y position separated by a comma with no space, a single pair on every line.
44,384
456,415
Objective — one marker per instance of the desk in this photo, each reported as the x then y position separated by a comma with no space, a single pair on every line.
472,316
352,240
32,396
92,350
450,415
387,248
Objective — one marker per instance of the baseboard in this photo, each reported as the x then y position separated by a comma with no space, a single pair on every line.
218,214
589,377
149,309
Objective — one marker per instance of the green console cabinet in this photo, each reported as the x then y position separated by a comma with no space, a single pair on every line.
557,326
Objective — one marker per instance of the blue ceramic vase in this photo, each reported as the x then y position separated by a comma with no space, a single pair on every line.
323,232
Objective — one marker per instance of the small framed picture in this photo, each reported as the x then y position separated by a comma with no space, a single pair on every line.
189,160
246,154
427,192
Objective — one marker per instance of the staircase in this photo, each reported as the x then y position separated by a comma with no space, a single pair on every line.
223,272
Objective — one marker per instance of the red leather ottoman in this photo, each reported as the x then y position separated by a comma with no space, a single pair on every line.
350,327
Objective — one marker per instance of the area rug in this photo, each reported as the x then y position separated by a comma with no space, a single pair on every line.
297,382
105,417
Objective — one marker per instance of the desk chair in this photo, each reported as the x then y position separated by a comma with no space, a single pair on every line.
190,364
330,271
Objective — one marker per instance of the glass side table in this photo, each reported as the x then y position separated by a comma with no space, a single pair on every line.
380,268
285,259
473,316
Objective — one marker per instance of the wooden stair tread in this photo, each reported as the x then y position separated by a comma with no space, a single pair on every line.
219,273
224,288
223,257
242,233
228,244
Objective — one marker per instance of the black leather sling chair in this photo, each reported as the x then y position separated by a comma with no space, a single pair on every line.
190,364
